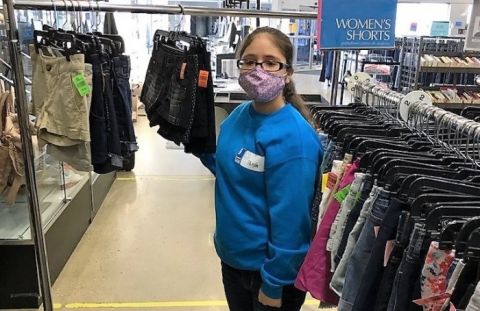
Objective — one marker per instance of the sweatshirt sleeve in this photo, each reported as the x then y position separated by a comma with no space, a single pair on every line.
290,189
209,161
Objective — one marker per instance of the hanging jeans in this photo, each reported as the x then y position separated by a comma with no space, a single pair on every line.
122,97
380,252
360,257
338,280
106,148
338,226
405,227
353,217
203,131
169,92
408,272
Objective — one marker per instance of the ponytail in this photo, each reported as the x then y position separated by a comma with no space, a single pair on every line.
292,97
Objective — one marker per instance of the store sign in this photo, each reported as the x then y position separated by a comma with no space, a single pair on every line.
359,24
440,29
473,34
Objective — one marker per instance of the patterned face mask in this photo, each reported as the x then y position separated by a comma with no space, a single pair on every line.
260,85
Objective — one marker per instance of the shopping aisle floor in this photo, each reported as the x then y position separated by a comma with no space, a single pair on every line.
150,246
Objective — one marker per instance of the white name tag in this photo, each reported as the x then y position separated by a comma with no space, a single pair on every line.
250,160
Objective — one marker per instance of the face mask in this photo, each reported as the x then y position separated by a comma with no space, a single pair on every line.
260,85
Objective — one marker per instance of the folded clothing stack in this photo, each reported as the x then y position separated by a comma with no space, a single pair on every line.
445,61
454,95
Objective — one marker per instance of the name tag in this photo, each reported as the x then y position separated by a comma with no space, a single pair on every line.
250,160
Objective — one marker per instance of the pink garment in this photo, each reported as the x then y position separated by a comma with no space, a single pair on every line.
315,275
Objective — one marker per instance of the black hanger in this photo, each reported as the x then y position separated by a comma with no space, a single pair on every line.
416,186
472,252
425,202
464,234
439,215
448,236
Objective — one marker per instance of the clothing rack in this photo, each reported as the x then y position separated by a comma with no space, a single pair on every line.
91,6
9,7
423,118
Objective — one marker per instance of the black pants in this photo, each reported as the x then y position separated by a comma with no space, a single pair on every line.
242,287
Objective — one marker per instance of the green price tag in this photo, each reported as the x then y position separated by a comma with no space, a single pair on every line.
342,194
81,84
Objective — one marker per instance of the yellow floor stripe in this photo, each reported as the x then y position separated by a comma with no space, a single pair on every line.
165,178
156,304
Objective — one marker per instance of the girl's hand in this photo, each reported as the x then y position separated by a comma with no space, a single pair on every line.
267,301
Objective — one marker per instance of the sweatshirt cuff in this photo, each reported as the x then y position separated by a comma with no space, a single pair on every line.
274,292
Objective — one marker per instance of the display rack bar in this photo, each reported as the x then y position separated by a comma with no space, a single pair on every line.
451,69
155,9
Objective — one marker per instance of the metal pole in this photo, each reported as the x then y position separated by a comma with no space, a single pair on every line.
158,9
336,72
28,157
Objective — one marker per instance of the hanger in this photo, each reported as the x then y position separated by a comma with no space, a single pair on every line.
464,234
472,252
439,215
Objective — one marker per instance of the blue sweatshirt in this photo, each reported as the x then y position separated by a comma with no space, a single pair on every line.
265,169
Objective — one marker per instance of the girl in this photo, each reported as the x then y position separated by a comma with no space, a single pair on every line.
265,166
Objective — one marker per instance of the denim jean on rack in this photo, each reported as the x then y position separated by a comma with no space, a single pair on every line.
122,96
405,227
374,270
338,280
361,253
203,133
408,272
169,92
353,217
327,157
105,145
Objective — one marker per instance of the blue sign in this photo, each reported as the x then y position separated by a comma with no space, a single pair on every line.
357,24
440,29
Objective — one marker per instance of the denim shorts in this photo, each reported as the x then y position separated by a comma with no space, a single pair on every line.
361,253
338,226
338,280
408,272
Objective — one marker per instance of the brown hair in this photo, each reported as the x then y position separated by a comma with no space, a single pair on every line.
285,46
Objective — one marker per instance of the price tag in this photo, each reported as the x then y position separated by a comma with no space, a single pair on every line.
81,84
342,194
203,79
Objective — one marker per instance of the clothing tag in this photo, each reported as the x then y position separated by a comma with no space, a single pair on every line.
250,160
342,194
388,252
324,182
81,84
332,180
203,79
182,71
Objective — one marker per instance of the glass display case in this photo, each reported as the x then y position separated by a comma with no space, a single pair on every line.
57,183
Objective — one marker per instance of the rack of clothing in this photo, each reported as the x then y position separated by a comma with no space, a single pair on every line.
82,99
398,217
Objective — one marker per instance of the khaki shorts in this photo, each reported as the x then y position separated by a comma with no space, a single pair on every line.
62,114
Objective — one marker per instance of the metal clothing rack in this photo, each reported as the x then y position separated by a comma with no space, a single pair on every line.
424,118
9,7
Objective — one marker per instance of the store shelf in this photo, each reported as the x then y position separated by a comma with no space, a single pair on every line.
454,105
465,70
